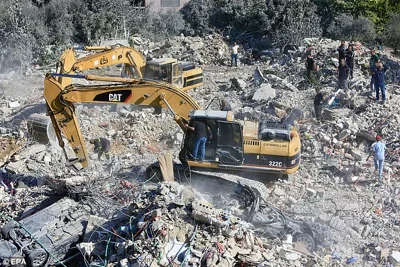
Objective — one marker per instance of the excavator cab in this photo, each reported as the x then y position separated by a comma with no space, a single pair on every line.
224,143
184,75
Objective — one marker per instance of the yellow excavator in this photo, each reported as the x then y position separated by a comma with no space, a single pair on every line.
264,146
184,75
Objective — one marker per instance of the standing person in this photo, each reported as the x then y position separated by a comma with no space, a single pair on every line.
343,70
342,50
310,65
224,105
378,150
234,54
101,145
350,59
318,103
378,43
200,129
372,68
380,72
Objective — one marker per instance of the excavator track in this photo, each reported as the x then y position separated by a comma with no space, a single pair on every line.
232,180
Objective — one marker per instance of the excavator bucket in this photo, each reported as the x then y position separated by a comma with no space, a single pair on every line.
41,130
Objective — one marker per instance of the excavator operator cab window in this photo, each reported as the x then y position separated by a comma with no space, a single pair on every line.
166,73
152,72
230,143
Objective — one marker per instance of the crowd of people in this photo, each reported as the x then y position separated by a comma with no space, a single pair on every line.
345,71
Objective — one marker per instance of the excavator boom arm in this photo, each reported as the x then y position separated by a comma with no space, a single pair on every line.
104,56
134,91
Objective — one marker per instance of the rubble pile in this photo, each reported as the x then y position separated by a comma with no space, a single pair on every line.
330,209
211,49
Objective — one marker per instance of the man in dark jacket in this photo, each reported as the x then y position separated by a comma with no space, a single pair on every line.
372,68
379,73
101,145
224,105
350,59
318,103
310,65
342,50
343,74
200,129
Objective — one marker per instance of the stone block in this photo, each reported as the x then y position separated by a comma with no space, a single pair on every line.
343,134
311,192
328,115
357,154
265,92
238,83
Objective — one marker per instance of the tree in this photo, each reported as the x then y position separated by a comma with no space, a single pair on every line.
346,27
196,14
293,20
288,21
22,34
392,32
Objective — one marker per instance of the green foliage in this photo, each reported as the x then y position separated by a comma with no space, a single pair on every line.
392,32
197,15
378,11
294,21
346,27
22,34
287,21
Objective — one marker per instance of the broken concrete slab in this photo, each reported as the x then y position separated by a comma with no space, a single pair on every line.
238,84
265,92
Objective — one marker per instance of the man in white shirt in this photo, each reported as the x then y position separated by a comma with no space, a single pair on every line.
234,55
378,150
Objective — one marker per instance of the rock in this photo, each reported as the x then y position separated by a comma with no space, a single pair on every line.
367,135
196,45
280,113
124,113
353,233
265,92
320,193
365,232
351,125
357,154
343,135
322,218
111,133
279,192
337,224
328,115
311,192
5,111
396,256
350,178
14,104
239,84
74,180
32,150
15,167
291,200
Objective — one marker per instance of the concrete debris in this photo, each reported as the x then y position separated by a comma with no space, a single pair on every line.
331,208
264,93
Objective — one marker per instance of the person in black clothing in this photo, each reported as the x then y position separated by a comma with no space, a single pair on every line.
378,43
310,65
350,59
200,129
224,105
342,50
318,102
343,70
101,145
